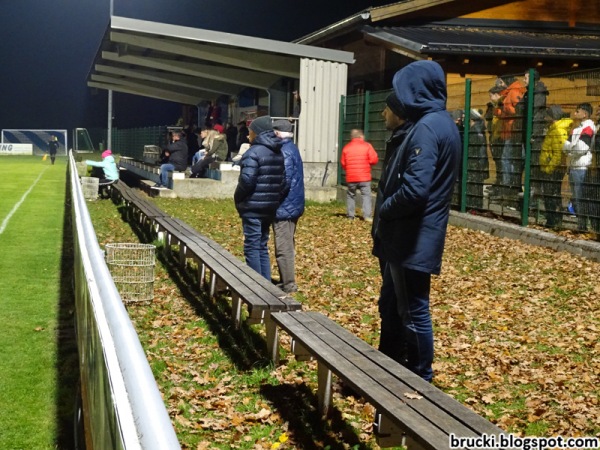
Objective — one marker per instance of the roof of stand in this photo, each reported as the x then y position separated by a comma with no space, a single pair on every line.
473,40
189,65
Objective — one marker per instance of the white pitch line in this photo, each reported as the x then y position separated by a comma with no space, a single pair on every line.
20,202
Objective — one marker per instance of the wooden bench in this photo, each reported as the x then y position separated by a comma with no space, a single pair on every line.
146,210
219,268
410,411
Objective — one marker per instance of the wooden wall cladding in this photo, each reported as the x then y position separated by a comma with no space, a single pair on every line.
573,11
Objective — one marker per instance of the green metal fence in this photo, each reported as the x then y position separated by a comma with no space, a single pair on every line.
512,166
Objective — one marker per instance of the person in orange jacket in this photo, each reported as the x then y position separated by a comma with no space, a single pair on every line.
358,156
512,152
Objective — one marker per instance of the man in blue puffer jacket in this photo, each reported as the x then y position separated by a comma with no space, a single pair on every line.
414,212
261,188
290,210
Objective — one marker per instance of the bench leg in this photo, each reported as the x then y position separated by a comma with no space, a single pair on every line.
182,254
389,435
324,394
299,351
201,274
236,310
272,339
213,283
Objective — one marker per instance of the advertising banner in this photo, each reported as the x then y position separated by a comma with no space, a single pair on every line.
16,149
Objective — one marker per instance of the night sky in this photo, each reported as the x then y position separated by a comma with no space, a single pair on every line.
48,47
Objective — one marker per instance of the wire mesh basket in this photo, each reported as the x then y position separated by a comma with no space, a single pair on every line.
89,187
132,268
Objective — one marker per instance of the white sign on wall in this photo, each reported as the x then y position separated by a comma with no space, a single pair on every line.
16,149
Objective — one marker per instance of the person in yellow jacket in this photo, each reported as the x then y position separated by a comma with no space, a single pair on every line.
553,164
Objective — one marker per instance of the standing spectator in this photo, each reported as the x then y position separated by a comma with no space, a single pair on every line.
592,182
216,151
261,188
176,154
53,148
191,138
290,210
538,128
392,336
110,171
231,133
513,141
478,169
417,191
494,131
242,135
296,104
579,150
553,165
358,156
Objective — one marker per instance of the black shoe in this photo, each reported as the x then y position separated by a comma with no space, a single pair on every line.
158,186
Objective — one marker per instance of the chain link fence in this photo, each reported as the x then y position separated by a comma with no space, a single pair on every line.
518,156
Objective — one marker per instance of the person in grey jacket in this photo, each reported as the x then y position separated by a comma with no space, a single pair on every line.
260,190
290,210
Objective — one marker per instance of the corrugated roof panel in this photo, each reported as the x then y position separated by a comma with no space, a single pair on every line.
475,40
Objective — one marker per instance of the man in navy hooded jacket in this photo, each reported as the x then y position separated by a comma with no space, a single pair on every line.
414,213
261,188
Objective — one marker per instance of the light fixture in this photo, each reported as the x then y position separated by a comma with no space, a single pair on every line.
503,62
574,65
465,61
539,64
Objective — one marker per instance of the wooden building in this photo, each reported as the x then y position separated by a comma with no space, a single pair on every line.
468,38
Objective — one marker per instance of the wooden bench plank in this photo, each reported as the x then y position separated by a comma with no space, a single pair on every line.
383,382
451,406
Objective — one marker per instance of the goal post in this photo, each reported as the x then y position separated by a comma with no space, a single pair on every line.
37,138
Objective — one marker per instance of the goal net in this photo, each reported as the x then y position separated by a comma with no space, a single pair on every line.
37,138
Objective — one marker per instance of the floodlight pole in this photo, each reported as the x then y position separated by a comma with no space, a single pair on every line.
110,95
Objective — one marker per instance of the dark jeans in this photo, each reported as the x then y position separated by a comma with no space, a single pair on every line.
406,328
199,169
551,190
256,238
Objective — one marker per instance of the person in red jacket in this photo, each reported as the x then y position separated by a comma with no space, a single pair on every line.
358,156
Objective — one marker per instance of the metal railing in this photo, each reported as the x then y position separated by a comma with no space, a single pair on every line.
121,404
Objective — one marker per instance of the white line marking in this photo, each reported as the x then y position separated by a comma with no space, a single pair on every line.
20,202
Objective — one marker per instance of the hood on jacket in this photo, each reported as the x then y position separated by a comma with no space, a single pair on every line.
269,140
421,88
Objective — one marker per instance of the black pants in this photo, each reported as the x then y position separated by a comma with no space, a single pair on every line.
199,169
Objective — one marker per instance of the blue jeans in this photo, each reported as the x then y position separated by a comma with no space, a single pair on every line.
576,178
406,328
164,173
256,238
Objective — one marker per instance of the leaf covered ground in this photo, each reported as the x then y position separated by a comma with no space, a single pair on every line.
517,332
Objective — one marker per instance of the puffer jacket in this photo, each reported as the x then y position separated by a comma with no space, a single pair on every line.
357,158
512,96
262,184
551,155
421,175
292,206
579,145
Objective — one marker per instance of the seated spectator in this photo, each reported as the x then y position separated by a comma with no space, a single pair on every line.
198,156
237,158
216,151
110,171
176,159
